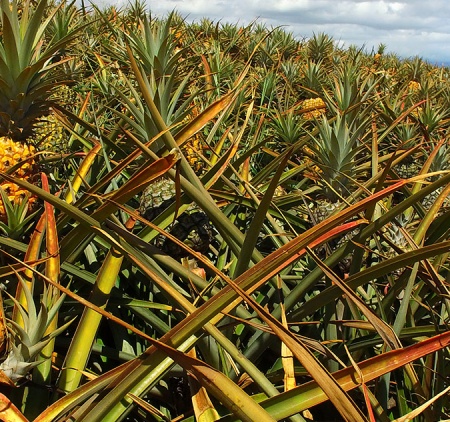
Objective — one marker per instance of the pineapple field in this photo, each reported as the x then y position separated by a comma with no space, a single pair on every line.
215,222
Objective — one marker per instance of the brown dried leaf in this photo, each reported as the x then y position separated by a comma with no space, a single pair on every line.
5,380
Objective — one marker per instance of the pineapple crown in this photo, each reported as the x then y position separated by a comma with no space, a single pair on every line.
28,339
335,148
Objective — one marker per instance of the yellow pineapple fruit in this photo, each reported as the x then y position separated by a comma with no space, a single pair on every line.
417,112
15,195
414,87
312,108
20,157
192,150
376,59
11,153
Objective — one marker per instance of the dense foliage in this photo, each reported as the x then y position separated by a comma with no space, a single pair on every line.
205,221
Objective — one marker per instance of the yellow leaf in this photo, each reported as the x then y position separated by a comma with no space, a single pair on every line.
203,408
9,412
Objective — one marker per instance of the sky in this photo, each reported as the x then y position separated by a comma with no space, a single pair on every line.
409,28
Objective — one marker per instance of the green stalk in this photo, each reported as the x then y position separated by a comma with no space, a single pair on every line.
82,172
81,345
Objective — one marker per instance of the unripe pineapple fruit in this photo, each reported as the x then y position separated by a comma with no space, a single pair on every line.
50,135
157,197
408,168
191,227
312,108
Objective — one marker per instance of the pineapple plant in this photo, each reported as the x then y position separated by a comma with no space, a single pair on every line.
334,151
27,82
191,227
324,111
407,136
26,68
28,340
395,240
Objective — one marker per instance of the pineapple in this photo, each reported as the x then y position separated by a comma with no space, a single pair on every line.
414,87
192,151
409,167
417,112
395,241
193,148
378,56
407,137
50,135
157,197
430,199
191,227
441,161
376,60
27,341
312,108
19,158
12,153
16,196
324,208
27,77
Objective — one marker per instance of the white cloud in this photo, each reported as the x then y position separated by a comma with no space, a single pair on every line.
408,27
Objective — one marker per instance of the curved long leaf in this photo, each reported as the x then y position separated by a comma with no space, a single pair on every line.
255,276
